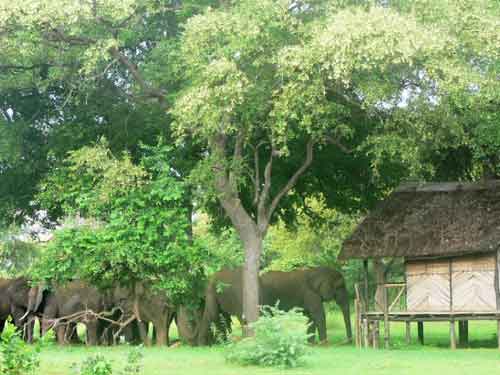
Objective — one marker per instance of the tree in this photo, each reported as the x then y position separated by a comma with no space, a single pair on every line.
71,72
265,79
135,228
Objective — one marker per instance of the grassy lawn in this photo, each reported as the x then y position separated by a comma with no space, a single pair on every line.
339,358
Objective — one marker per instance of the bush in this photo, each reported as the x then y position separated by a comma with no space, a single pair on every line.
16,357
99,365
280,340
94,365
134,361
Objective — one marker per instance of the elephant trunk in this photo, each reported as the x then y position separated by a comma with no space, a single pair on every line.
347,320
210,314
186,330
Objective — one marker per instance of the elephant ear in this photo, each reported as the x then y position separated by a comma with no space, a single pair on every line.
36,297
315,279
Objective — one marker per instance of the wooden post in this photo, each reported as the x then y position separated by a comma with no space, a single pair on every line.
366,291
420,326
370,333
376,334
408,332
453,336
497,280
463,333
365,332
387,328
380,295
466,332
356,324
358,309
498,333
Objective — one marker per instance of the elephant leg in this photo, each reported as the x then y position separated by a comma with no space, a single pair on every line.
29,329
161,335
143,331
153,334
311,330
170,319
320,322
160,327
73,334
2,325
315,310
92,338
61,334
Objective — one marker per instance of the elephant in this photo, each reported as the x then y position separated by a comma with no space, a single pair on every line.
150,306
223,299
4,303
70,299
26,303
188,324
308,289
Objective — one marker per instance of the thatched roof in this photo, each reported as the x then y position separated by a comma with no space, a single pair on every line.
434,220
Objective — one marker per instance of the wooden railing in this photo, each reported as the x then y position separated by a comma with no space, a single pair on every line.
368,331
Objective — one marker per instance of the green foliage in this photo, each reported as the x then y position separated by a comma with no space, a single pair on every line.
98,364
16,255
142,229
316,239
134,363
280,340
93,365
224,248
17,357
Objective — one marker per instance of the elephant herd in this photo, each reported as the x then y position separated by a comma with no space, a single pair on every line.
62,308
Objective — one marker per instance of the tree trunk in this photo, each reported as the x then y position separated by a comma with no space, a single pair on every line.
251,296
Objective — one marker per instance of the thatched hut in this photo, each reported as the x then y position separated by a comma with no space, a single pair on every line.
448,235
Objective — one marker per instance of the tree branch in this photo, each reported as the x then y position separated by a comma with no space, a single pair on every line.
337,143
132,68
293,180
7,67
237,157
261,208
256,180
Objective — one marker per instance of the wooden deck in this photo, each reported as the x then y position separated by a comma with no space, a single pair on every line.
420,316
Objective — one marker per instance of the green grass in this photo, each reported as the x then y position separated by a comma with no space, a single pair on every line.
337,358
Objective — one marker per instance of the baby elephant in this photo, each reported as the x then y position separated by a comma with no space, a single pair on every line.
308,289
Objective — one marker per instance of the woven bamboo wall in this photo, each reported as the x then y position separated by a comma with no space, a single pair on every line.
472,284
428,286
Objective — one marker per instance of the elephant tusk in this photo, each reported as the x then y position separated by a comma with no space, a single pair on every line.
136,311
25,315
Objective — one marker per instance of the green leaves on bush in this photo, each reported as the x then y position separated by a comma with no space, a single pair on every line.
94,365
134,361
99,365
137,227
280,340
16,357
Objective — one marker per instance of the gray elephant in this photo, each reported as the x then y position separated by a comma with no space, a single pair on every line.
308,289
223,299
150,306
69,300
4,302
25,304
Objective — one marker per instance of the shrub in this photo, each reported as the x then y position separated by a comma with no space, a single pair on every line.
134,361
280,340
16,357
94,365
99,365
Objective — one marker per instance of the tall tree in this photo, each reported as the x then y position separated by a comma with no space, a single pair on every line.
274,78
